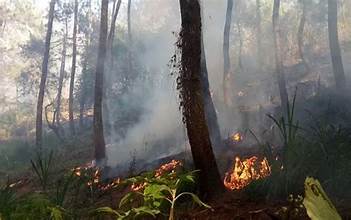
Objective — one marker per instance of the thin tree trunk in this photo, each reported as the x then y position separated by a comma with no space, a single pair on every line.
278,57
335,52
210,110
99,141
226,57
129,39
300,35
44,73
192,103
73,70
61,77
258,33
89,37
111,34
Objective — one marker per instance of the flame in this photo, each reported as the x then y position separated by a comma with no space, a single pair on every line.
246,171
168,167
162,170
236,137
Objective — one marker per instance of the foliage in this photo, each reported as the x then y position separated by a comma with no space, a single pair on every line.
154,195
7,201
317,203
37,206
42,167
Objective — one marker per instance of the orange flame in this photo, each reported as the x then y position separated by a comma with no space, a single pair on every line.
236,137
168,167
246,171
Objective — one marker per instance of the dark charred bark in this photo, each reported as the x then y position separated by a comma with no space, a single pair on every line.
210,110
278,57
335,52
192,103
73,70
99,141
300,34
258,33
44,73
226,58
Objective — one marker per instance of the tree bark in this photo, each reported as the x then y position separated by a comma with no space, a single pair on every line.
99,141
44,73
335,52
226,57
192,103
300,34
73,69
278,57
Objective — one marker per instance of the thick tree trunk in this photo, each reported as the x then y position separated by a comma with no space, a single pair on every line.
300,34
226,57
73,70
44,73
99,141
210,110
192,102
335,51
61,77
278,57
259,33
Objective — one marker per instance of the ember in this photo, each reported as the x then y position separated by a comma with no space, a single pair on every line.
168,167
236,137
246,171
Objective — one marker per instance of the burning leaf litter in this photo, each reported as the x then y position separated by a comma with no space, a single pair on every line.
245,171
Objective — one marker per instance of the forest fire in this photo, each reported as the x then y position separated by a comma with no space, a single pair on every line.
236,137
168,167
246,171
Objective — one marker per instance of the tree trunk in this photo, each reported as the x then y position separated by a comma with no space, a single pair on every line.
226,58
192,103
44,73
335,52
61,77
210,110
300,34
99,141
278,57
73,71
82,100
258,33
129,40
111,34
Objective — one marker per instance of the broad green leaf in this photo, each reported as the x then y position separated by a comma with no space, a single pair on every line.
317,203
144,210
195,198
106,210
156,191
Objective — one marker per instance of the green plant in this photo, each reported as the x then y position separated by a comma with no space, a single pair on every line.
37,206
62,188
42,167
156,195
7,201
